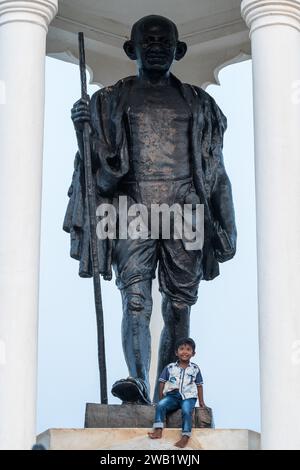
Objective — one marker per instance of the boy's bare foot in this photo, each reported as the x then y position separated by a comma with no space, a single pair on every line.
182,442
156,434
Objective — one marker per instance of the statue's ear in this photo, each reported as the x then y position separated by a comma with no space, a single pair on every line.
181,49
129,49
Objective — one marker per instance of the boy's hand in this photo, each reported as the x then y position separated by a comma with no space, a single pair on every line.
202,404
161,390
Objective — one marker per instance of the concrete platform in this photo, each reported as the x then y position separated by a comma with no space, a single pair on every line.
137,439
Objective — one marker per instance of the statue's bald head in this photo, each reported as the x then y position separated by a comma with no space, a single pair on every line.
139,27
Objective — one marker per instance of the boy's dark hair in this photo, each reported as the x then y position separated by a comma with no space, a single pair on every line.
183,341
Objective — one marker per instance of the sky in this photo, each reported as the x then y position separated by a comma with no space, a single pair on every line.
224,322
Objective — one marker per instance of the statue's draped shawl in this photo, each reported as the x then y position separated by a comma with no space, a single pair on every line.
111,163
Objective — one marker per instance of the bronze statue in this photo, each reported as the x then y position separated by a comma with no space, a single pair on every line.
154,140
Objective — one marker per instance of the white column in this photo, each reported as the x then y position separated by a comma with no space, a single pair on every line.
23,29
275,38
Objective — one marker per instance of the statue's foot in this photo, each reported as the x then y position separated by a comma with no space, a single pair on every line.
131,390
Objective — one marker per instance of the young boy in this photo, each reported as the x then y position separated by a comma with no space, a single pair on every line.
181,385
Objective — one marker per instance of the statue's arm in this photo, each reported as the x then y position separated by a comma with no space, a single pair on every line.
76,217
221,199
109,143
80,114
223,213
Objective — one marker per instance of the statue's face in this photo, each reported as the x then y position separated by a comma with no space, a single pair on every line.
155,45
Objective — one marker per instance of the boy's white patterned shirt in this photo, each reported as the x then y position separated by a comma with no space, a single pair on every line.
183,380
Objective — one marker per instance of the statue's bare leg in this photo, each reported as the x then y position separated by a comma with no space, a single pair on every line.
136,338
176,316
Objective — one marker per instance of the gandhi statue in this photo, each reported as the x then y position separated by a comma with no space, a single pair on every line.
154,140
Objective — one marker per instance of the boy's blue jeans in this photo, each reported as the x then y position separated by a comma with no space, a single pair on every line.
171,402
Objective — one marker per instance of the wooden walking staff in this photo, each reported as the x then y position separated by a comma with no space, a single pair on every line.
91,201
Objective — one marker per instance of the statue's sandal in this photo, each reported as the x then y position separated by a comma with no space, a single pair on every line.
131,390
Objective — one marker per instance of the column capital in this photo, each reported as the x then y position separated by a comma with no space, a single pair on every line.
40,12
261,13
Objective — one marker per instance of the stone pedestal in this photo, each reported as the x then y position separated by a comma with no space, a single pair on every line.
139,416
108,428
137,439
